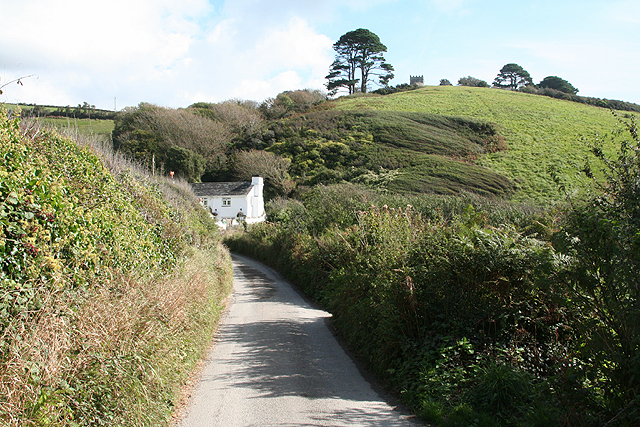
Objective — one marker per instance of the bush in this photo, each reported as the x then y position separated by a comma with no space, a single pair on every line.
403,87
147,133
335,206
602,237
291,102
289,213
472,81
185,163
502,390
557,83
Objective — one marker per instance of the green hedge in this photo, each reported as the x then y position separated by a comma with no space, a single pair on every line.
110,286
474,312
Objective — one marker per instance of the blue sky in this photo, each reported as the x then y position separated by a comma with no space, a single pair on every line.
119,53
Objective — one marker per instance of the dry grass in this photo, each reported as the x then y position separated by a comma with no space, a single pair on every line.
140,325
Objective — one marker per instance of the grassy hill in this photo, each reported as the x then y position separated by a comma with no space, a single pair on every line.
540,133
442,139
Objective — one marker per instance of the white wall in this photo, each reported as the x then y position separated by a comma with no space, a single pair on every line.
237,203
251,204
256,199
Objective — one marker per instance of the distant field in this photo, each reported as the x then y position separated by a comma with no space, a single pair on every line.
83,126
48,108
541,133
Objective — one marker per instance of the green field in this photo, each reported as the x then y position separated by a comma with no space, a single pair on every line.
541,133
69,125
82,126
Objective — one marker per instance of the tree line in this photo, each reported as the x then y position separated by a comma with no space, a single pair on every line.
81,111
212,141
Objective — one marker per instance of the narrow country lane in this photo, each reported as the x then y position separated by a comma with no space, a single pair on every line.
276,363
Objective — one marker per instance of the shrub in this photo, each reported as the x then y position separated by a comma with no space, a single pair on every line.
147,132
186,163
602,237
290,102
271,167
472,81
290,213
335,206
501,389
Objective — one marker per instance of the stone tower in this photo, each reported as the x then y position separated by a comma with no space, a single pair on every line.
416,80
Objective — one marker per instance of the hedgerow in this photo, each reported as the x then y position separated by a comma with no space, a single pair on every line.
478,312
429,305
109,290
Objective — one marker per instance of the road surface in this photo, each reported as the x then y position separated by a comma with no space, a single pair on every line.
276,363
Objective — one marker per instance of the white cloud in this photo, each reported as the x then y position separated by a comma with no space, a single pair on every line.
86,34
175,53
159,51
285,56
296,46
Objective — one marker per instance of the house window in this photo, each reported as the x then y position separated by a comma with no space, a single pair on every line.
205,202
226,201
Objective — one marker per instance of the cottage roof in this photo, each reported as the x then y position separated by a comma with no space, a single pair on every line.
205,189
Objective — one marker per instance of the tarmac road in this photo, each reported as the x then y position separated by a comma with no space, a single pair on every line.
276,363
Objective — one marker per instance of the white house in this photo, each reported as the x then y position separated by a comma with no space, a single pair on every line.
231,202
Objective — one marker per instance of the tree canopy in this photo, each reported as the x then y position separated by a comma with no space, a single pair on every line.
359,59
557,83
512,76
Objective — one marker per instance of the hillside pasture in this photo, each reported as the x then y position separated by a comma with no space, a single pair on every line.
79,126
542,135
441,175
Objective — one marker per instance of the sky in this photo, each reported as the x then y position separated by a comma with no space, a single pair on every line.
119,53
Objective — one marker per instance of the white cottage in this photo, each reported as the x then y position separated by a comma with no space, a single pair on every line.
230,202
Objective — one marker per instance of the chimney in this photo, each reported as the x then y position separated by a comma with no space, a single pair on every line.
258,182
